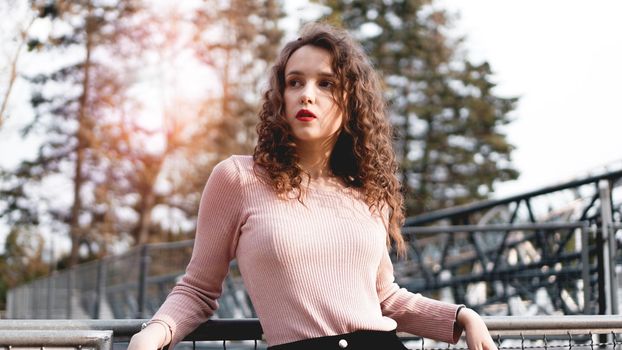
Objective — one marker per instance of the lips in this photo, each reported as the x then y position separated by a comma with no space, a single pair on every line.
305,115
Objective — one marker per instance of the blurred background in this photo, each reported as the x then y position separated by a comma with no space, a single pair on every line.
113,113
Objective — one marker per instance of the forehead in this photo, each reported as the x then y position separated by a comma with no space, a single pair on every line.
309,60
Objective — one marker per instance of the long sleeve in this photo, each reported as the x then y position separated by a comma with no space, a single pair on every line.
193,300
415,313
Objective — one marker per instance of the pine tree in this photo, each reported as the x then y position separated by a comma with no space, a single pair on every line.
87,42
447,116
237,41
87,126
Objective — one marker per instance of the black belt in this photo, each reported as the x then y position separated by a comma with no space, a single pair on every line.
349,341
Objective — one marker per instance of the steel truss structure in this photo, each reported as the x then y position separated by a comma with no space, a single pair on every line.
551,251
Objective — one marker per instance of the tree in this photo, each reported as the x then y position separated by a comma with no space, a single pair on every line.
72,105
22,260
236,41
90,139
449,121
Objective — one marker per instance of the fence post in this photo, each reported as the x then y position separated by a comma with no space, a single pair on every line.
585,267
34,298
70,281
49,298
142,280
609,248
10,304
99,288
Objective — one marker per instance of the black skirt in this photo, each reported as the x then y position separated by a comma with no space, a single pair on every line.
359,340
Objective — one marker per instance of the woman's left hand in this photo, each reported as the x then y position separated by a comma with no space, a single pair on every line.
477,335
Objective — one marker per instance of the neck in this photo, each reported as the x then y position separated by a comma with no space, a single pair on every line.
315,158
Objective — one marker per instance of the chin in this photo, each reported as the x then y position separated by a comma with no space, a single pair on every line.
305,136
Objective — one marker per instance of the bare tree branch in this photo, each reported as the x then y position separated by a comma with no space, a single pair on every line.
13,73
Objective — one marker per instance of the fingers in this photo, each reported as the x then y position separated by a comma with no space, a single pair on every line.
478,338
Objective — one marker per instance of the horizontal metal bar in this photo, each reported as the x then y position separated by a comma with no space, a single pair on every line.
122,329
217,329
169,278
95,339
541,325
584,322
467,209
250,329
526,276
491,228
171,245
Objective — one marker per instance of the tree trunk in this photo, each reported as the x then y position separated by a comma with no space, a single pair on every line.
75,230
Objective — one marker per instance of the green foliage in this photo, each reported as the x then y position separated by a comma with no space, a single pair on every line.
237,41
240,56
22,260
92,146
76,102
447,116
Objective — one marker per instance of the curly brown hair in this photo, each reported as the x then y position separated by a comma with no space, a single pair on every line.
363,155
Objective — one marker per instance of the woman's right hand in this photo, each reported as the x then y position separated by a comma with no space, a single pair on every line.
152,337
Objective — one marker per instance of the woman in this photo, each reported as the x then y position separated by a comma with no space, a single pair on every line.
310,217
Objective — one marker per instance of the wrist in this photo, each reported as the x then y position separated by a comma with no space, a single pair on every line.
460,308
157,335
464,316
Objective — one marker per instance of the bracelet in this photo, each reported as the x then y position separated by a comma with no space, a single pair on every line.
167,329
458,310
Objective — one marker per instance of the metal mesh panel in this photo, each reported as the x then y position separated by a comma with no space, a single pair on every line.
165,265
85,290
587,341
511,333
121,284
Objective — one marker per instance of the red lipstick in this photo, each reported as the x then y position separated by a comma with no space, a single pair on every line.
305,115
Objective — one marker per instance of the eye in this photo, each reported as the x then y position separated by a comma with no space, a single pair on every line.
294,83
327,84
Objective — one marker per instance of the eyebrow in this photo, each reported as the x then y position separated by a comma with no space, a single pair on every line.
323,74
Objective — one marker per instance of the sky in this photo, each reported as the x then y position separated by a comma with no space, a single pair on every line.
563,58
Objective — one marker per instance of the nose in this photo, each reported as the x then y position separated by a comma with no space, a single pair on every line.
304,99
307,95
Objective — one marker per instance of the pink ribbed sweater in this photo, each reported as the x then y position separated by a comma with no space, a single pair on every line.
311,270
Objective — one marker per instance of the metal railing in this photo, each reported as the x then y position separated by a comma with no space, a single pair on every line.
475,243
136,283
513,332
508,265
32,339
563,264
465,213
130,285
